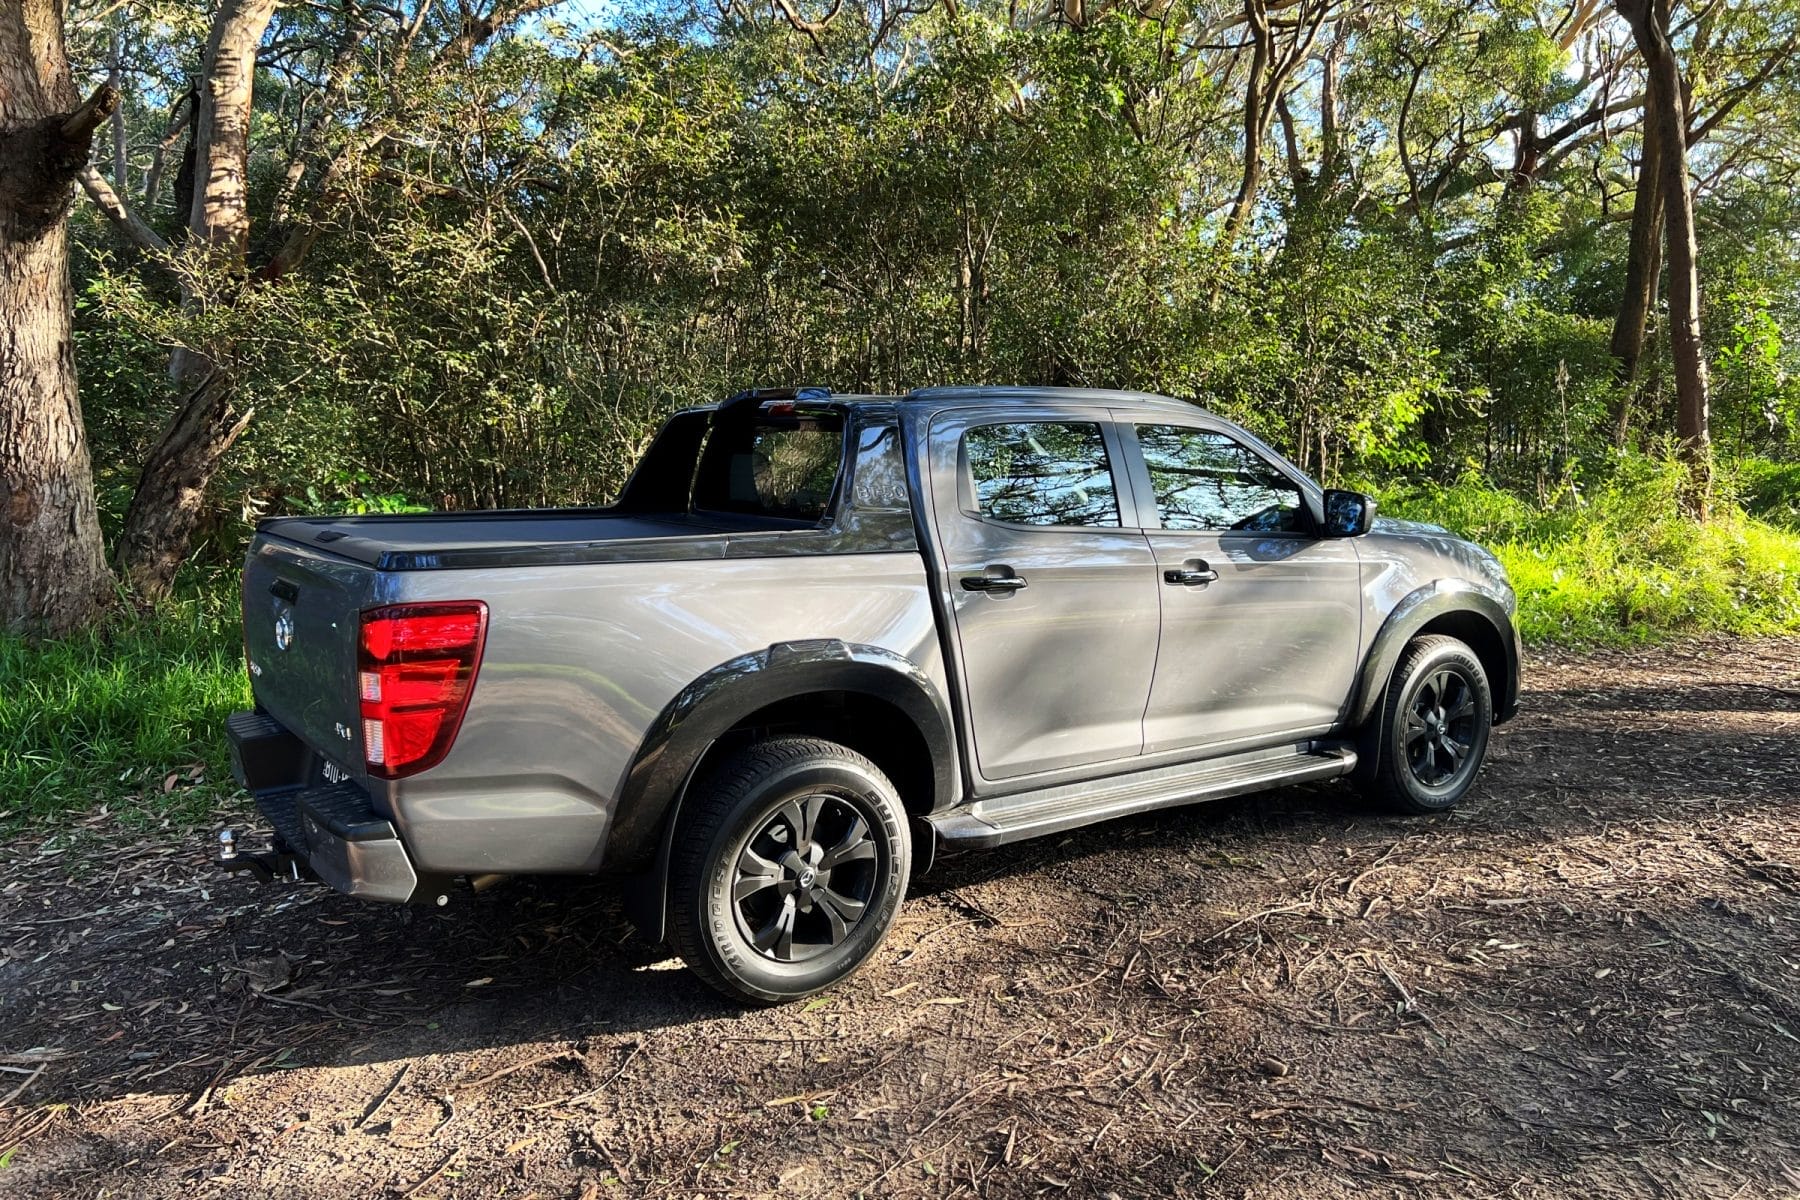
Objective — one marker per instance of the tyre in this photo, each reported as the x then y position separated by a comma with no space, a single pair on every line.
1432,735
789,864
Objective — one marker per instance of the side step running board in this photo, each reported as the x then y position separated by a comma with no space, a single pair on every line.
1003,819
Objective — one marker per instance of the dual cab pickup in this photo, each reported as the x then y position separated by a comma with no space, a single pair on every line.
820,638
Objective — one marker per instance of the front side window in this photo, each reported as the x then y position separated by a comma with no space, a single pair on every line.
1043,473
1207,481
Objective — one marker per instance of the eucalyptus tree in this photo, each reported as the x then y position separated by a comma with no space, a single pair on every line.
361,70
53,574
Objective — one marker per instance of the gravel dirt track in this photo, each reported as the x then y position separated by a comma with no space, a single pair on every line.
1584,983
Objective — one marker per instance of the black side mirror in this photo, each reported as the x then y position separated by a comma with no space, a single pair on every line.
1348,514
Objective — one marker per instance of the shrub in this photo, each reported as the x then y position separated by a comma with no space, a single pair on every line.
1769,491
1615,566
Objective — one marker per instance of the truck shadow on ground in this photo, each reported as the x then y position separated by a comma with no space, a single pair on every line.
164,979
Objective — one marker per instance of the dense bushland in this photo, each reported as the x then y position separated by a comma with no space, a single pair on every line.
1612,565
543,247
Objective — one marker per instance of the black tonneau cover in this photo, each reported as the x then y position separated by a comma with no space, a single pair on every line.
423,541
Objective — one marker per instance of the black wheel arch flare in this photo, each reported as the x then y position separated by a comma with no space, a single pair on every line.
1455,607
718,701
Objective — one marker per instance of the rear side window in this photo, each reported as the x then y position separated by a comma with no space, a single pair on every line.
1207,481
1042,473
785,468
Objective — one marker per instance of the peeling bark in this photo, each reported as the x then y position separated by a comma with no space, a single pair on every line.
53,576
220,218
171,493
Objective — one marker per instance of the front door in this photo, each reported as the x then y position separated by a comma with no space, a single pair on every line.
1261,617
1052,593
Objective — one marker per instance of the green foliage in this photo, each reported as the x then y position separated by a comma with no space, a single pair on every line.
586,225
1756,397
1769,491
128,716
1615,566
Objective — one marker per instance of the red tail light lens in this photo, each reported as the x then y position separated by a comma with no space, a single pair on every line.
416,666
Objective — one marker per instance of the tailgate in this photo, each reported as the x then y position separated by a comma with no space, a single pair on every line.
300,630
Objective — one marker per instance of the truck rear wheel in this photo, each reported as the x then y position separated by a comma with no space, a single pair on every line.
789,865
1433,729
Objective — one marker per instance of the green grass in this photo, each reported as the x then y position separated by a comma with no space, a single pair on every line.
1616,567
130,718
108,717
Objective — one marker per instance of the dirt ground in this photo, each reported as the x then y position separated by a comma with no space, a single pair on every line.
1584,983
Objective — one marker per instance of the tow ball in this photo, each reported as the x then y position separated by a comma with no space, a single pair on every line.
267,864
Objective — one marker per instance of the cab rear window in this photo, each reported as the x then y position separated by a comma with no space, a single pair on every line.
781,467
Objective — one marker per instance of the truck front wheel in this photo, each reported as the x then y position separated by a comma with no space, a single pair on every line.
1432,734
789,864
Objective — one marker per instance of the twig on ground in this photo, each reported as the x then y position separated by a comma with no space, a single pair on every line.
1267,912
503,1072
20,1090
1408,1004
376,1104
593,1091
420,1186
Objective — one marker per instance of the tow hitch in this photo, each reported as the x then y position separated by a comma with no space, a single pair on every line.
267,864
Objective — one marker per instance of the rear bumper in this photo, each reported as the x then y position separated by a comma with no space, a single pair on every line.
331,828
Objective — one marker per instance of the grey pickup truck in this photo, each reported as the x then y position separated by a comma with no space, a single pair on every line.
821,638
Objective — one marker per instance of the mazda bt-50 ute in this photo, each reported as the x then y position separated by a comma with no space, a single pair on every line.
820,639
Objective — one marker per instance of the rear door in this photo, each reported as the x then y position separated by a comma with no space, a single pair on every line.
1261,617
1052,593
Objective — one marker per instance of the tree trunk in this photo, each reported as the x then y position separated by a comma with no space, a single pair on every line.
53,575
1273,60
1643,268
220,219
1667,110
116,80
1257,106
171,491
1643,260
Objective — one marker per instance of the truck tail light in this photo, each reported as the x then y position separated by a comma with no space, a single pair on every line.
416,666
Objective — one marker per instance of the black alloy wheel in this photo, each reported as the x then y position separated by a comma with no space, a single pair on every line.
790,859
804,879
1431,734
1438,729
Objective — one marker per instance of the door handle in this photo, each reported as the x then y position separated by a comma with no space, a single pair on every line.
995,581
1193,573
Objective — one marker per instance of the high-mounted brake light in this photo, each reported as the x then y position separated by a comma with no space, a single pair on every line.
416,666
